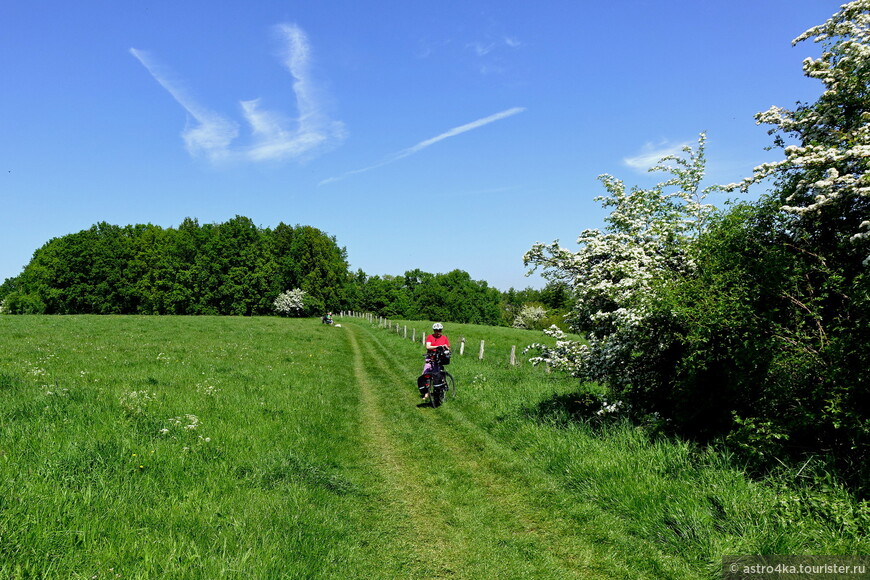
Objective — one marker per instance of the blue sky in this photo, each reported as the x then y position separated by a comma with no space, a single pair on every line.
431,135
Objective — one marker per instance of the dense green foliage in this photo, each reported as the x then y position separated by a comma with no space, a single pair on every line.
554,299
453,297
237,268
765,343
229,268
766,340
753,330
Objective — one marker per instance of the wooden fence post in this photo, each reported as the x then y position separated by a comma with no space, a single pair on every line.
513,355
480,356
413,335
405,335
462,347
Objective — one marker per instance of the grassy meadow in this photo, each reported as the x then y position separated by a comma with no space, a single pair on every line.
227,447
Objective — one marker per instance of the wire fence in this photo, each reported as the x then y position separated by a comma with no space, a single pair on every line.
411,333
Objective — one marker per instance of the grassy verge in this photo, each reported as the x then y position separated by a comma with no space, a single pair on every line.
695,504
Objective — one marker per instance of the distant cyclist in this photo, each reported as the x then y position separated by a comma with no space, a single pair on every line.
434,341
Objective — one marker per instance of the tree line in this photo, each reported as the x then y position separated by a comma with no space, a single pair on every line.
455,297
238,268
232,268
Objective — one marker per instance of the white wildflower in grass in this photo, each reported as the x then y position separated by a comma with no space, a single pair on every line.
162,357
185,429
207,390
36,371
188,421
137,402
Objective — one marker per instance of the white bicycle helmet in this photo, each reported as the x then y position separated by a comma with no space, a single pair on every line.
437,326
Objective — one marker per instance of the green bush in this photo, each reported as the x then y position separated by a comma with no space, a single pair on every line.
18,303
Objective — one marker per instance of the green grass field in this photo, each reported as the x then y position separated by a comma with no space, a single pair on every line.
218,447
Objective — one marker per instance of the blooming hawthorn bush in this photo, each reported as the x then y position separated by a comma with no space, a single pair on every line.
290,302
528,315
809,350
828,164
751,325
648,237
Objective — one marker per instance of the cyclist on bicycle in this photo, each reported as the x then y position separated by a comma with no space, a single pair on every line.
434,341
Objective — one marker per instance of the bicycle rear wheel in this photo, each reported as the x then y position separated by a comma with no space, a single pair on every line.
449,386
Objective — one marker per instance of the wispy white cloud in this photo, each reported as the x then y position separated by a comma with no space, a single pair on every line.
212,134
429,142
651,153
481,48
493,55
274,137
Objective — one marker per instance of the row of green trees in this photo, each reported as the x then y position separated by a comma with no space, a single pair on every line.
229,268
455,297
749,325
237,268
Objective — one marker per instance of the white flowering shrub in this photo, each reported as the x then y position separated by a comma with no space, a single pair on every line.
748,326
796,340
829,162
647,238
290,302
529,315
567,355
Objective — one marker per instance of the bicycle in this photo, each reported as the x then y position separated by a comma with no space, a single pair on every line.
439,384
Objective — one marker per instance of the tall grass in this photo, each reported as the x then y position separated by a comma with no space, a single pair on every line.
177,447
696,503
209,447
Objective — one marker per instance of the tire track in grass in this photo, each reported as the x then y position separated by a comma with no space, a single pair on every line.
422,527
495,525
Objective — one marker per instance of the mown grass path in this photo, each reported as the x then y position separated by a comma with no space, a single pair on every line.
467,507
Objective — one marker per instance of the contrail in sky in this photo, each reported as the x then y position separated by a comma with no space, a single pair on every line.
428,142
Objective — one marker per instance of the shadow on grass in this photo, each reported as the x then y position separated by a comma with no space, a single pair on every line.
562,409
284,468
